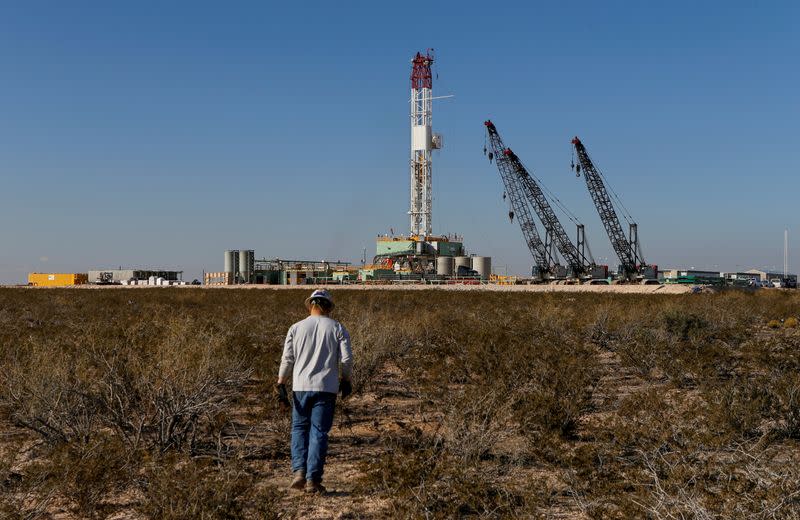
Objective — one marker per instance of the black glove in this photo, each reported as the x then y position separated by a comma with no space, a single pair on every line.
345,387
283,395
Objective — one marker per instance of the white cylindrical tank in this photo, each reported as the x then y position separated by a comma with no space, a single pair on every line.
462,261
246,264
231,261
151,280
444,266
482,264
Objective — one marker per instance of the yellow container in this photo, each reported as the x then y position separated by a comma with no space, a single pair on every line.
57,279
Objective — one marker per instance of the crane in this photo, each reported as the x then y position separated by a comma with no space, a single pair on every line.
575,257
542,255
628,248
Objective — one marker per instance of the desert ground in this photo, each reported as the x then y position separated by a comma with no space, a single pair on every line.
519,403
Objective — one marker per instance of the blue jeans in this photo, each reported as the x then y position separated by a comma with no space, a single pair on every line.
312,419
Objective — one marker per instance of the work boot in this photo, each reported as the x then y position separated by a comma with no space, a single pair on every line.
315,487
299,480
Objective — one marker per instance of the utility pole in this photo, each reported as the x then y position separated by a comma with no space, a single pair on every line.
785,253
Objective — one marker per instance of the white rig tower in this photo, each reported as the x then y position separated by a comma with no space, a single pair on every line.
423,141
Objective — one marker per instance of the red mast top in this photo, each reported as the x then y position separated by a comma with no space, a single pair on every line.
421,71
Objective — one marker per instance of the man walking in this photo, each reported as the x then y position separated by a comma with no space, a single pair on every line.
312,353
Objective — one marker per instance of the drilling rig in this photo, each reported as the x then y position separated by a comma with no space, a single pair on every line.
633,267
579,265
423,141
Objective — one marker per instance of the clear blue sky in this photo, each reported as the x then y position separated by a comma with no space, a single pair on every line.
162,133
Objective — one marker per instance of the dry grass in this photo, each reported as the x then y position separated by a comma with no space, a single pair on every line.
156,404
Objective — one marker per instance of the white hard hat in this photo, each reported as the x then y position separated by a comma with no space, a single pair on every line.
321,294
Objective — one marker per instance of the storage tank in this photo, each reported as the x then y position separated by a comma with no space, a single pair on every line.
247,259
462,261
482,264
444,266
231,261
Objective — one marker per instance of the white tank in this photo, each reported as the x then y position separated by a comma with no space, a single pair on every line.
482,264
246,264
231,261
444,266
462,261
151,280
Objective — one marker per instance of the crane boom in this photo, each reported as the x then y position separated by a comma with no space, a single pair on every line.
575,260
541,254
627,250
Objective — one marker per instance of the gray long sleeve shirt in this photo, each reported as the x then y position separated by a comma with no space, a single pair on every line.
313,350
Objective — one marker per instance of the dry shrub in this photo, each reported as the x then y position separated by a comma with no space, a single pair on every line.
542,373
646,349
738,407
747,483
423,480
174,396
786,399
660,418
774,351
607,478
376,341
476,420
600,331
483,378
25,501
167,395
666,460
552,387
180,488
86,475
683,324
48,392
83,478
17,498
790,323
